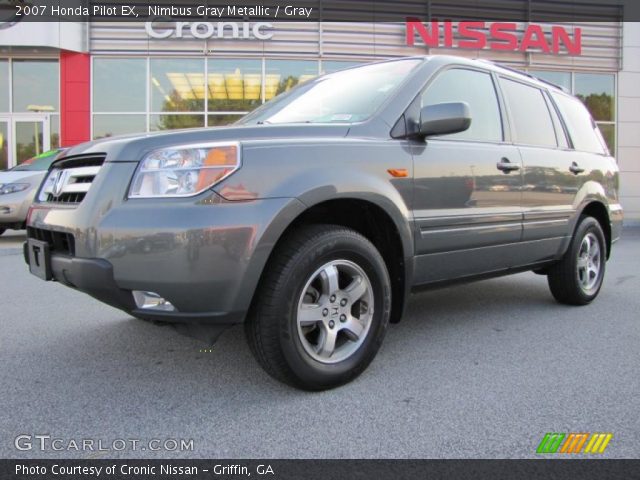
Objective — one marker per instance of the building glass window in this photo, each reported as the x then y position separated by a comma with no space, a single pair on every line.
177,85
283,75
330,66
54,131
175,121
222,120
4,86
4,145
562,79
234,85
597,92
36,85
29,136
109,125
228,85
119,85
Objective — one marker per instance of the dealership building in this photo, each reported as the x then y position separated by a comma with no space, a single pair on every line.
65,83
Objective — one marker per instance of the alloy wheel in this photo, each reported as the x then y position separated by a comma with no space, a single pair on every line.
589,263
335,310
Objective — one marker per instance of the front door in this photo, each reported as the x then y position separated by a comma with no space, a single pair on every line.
467,186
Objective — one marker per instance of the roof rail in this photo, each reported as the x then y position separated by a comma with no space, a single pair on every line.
526,74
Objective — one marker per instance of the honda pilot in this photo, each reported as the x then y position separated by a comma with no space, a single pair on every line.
312,219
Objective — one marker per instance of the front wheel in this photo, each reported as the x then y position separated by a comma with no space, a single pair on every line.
577,278
322,308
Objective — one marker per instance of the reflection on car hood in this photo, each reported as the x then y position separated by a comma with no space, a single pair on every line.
22,176
131,148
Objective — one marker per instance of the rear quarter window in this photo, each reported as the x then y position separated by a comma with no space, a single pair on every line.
582,129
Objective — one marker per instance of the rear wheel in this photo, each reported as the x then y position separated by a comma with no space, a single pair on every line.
577,278
322,308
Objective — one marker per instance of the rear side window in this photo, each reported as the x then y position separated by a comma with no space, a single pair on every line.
477,90
530,115
583,130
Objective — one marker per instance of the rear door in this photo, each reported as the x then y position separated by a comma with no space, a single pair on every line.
467,186
589,159
549,186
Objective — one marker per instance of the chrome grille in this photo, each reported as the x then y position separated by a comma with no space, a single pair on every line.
70,179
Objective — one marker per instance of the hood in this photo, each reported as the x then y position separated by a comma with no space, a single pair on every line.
131,148
22,177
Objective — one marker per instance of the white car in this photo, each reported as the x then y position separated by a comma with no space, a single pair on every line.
18,187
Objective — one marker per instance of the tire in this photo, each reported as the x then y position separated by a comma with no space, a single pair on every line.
334,277
577,278
2,230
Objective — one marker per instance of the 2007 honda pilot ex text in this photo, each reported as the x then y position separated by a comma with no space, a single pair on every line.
313,217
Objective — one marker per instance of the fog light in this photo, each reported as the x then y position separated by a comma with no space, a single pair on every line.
152,301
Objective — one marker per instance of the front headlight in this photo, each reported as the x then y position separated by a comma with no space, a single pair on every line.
185,170
6,188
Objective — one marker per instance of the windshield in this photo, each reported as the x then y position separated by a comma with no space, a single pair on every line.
348,96
39,162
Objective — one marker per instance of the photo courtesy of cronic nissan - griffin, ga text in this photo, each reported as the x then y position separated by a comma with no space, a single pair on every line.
313,218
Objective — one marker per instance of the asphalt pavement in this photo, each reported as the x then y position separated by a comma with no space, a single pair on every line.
482,370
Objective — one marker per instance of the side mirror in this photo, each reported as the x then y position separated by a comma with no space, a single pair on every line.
444,118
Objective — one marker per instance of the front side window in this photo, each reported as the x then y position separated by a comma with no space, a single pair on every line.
530,115
477,90
583,130
343,97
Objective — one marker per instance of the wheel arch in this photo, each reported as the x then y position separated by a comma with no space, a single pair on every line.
388,230
599,211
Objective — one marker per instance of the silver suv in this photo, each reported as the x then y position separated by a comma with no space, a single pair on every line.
314,217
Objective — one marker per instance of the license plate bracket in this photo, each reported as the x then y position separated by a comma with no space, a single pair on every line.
39,259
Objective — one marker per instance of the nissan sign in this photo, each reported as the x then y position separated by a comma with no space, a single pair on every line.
504,36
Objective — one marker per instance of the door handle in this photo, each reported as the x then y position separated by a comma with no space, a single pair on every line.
506,166
574,168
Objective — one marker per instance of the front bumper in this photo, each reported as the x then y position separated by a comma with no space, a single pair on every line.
202,254
94,276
